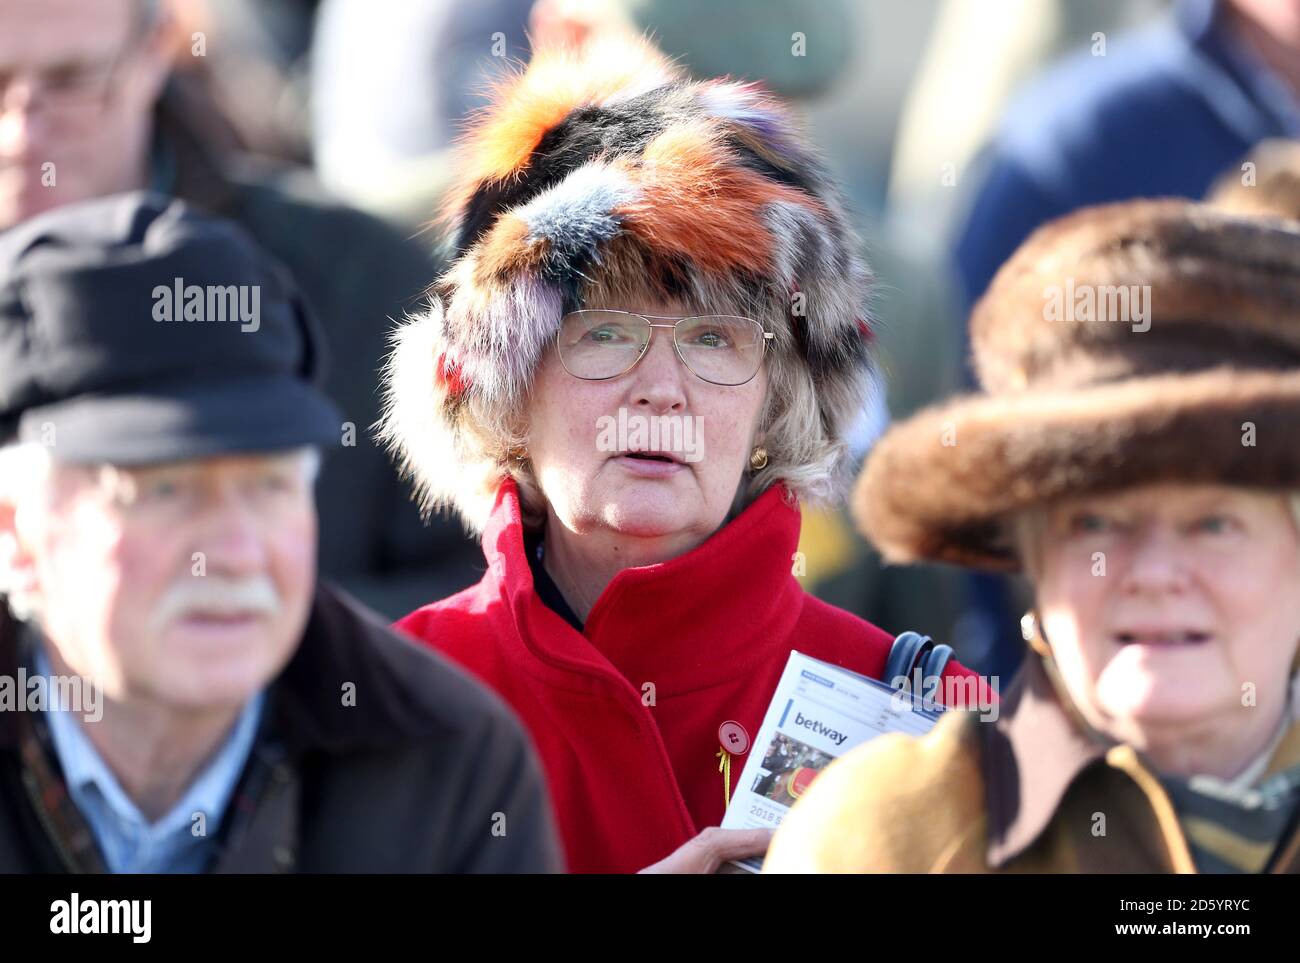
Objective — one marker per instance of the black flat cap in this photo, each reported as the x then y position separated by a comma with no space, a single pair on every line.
134,330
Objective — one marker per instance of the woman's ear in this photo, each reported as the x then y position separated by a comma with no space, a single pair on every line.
17,563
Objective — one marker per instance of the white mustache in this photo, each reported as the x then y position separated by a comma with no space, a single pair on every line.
217,595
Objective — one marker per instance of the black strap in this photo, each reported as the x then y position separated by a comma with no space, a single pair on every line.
936,660
912,651
908,649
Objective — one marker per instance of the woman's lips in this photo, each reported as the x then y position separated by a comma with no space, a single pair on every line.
221,620
1162,637
650,467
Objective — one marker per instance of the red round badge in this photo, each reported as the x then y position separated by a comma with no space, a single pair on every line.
800,780
733,737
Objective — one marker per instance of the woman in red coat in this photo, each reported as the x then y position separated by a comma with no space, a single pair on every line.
647,353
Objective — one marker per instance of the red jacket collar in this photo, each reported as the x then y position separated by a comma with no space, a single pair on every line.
683,624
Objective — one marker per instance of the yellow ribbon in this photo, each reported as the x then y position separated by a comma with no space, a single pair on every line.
724,767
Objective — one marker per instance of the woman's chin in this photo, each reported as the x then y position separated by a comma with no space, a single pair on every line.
652,514
638,522
1148,698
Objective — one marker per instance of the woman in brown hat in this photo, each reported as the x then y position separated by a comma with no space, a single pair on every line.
1135,452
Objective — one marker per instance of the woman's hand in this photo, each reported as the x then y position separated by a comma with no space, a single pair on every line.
711,848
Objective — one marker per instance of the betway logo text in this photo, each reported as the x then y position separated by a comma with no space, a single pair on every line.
808,722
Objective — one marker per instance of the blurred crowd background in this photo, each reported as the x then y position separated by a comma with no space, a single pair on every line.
957,126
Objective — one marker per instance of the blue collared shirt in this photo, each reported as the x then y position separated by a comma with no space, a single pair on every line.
179,842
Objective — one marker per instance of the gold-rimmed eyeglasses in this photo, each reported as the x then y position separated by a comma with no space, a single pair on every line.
599,344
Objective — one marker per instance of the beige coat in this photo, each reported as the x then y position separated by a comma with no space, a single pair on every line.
1029,793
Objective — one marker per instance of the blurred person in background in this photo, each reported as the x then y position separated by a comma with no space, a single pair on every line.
1140,466
391,85
973,60
1158,112
92,103
636,247
157,554
256,68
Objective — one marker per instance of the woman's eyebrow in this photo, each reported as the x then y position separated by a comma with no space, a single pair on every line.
73,63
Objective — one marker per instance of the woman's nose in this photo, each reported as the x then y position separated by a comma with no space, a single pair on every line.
659,380
1155,564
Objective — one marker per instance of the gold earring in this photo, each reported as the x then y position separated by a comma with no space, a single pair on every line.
758,458
1032,634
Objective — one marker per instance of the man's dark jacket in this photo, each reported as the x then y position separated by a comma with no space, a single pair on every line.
374,755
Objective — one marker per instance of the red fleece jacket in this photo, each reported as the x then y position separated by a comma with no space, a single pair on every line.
625,714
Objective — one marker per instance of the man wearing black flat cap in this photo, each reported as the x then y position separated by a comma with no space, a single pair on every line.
177,693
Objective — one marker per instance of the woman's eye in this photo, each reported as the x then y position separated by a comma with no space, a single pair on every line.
1213,524
711,339
66,78
607,335
1088,523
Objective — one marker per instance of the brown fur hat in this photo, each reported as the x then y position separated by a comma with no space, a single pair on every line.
1121,345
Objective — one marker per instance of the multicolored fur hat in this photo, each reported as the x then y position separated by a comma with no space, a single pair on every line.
609,175
1122,345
